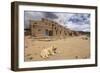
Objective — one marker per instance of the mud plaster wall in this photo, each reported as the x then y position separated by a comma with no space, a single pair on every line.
46,27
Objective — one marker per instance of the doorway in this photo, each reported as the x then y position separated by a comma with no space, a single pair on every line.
48,32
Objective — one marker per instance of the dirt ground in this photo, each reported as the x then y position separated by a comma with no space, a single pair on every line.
69,48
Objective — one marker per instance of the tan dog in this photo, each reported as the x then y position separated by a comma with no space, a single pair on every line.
46,52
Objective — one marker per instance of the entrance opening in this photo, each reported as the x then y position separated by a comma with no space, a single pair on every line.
48,32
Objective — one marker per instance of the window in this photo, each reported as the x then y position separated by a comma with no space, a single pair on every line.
52,25
60,32
55,28
35,23
33,26
39,29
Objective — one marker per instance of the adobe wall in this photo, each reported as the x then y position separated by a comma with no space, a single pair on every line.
39,28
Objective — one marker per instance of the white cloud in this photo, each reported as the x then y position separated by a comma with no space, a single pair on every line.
75,27
63,18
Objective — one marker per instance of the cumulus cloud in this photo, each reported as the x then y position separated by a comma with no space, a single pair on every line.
50,15
63,18
80,19
79,22
75,27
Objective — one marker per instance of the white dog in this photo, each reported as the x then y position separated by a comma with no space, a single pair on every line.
46,52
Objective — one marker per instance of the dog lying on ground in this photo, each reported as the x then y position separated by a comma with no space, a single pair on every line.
46,52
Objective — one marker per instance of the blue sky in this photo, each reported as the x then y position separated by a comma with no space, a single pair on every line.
74,21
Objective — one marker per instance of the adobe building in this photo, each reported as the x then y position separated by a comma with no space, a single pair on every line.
45,27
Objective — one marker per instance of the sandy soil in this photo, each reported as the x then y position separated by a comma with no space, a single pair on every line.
69,48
